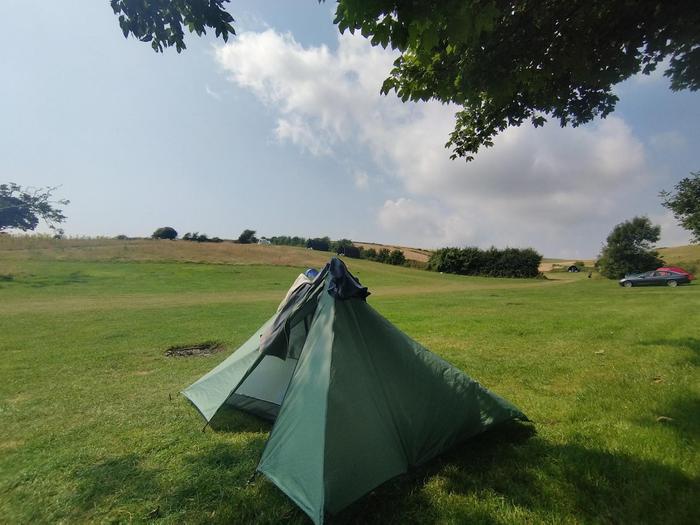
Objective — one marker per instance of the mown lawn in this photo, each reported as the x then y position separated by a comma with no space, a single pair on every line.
92,428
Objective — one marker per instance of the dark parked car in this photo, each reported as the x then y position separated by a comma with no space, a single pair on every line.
655,278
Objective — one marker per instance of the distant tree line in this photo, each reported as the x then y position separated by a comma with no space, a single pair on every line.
342,247
384,255
286,240
509,262
200,237
322,244
168,232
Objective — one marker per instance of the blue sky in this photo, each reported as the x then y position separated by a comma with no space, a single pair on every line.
282,130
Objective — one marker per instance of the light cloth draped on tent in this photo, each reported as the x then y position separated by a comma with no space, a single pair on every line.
354,400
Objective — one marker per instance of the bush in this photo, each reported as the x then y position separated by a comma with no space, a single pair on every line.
383,255
352,251
629,249
286,240
165,232
322,244
509,262
386,256
397,258
247,237
196,237
347,248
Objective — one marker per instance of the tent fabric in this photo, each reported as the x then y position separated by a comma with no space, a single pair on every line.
354,400
209,393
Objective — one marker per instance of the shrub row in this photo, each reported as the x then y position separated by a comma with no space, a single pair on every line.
343,247
286,240
384,255
322,244
509,262
200,237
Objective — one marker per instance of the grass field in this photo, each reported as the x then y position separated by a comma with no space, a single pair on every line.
686,256
89,432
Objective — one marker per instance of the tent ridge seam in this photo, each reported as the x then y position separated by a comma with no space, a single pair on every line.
325,412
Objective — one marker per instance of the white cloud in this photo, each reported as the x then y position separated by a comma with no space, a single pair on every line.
668,141
548,174
412,223
672,234
361,180
247,21
299,132
545,187
213,94
327,89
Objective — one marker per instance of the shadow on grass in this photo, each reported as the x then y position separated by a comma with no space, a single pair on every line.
685,343
503,469
228,419
218,486
506,472
681,415
402,499
508,467
685,412
119,478
35,281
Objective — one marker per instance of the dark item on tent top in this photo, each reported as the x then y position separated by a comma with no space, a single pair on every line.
344,285
355,401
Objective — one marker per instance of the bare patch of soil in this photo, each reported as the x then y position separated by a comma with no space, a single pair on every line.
199,349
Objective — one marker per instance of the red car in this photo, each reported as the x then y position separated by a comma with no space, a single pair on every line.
677,270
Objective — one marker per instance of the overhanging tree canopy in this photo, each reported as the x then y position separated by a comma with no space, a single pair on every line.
22,207
503,62
506,62
684,202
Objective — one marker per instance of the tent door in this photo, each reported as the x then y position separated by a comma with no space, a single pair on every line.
262,392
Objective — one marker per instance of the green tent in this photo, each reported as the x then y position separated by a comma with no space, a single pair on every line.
354,400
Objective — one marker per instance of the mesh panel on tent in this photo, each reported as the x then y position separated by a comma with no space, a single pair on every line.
262,392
